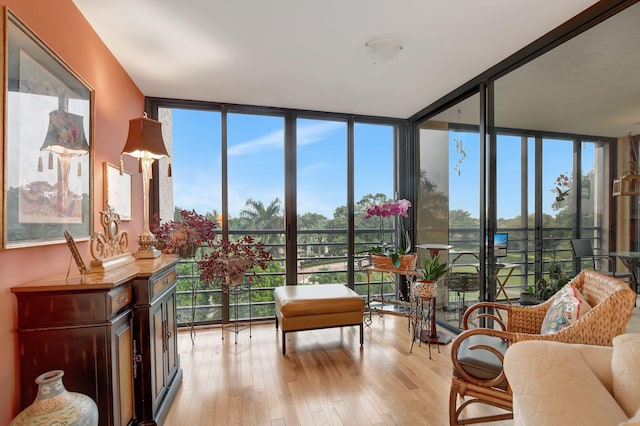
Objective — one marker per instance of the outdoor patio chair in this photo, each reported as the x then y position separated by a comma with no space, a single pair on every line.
583,250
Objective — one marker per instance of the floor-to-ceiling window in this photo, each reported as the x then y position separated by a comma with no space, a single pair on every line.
234,165
547,128
194,139
448,201
536,204
254,183
374,157
321,182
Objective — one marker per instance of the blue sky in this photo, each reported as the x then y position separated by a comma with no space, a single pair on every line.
256,164
557,159
256,161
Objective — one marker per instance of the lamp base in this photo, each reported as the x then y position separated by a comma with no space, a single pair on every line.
150,253
146,246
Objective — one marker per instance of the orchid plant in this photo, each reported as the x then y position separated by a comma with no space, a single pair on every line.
388,212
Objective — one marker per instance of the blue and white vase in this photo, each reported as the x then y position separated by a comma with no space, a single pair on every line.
54,405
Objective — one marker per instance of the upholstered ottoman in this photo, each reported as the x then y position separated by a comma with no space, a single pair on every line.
309,307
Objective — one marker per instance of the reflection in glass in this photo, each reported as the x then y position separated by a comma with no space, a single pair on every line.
448,203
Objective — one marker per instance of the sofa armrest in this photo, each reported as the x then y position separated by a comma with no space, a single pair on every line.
598,358
554,383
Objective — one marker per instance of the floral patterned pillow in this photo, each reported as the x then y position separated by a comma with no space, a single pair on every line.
567,307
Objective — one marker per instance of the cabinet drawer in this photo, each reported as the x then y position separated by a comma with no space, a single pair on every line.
119,298
161,283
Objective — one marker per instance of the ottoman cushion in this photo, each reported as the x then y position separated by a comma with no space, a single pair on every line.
296,300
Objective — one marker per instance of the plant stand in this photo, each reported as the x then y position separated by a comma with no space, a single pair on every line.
237,326
421,322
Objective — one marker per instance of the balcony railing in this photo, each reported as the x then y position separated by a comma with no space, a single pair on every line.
322,259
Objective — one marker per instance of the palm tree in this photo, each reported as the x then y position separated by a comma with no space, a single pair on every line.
257,216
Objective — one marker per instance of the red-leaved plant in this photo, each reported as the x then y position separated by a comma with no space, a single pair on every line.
232,258
182,236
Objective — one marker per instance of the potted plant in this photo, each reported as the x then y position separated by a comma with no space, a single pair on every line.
529,297
183,236
389,254
426,285
228,261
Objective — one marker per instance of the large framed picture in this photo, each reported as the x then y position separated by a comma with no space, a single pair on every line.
47,146
117,192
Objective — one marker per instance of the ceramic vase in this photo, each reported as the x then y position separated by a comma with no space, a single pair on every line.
54,405
425,289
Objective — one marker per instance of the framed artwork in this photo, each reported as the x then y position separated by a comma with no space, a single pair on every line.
47,146
117,191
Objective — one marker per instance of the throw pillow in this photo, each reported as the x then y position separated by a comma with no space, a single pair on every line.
567,307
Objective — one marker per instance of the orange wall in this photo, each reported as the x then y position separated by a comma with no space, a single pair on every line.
117,100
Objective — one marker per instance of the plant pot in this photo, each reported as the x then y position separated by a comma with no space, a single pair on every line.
407,262
234,278
188,250
527,299
54,405
425,289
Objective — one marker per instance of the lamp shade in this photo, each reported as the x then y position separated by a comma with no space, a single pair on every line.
65,134
145,139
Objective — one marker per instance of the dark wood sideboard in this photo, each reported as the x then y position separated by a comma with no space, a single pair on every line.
113,334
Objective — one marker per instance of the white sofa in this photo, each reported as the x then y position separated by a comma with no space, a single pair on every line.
568,384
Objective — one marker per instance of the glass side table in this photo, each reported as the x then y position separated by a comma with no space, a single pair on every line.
234,292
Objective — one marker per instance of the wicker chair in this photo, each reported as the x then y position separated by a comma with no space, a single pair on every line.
478,353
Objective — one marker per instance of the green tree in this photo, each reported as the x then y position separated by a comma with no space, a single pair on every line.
462,219
313,241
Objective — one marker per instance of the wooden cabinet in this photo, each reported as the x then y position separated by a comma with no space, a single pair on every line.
114,340
155,324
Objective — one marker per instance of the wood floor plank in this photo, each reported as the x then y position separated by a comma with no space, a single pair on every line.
325,378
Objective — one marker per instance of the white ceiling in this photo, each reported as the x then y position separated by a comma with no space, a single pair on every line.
589,85
311,54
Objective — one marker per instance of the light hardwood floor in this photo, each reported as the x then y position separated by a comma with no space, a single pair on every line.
325,378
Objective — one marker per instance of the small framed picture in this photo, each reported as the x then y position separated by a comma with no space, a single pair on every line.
117,191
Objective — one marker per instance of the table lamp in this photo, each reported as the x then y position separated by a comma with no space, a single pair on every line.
146,144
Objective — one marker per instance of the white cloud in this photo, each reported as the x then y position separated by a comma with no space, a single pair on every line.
306,134
315,132
268,141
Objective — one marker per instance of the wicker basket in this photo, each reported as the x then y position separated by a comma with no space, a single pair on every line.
462,281
407,262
